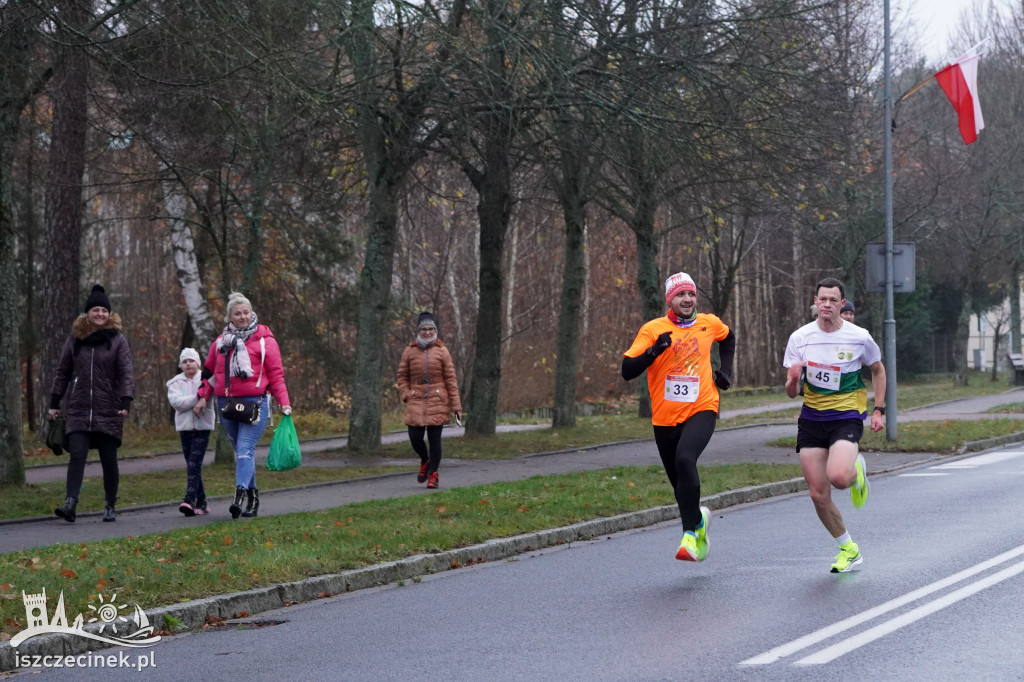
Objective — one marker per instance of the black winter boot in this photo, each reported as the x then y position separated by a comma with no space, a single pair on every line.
236,505
67,512
108,513
253,507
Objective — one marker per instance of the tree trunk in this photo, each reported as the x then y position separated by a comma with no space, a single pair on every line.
573,274
996,334
960,338
12,463
189,277
1015,332
652,299
63,210
374,290
494,210
30,230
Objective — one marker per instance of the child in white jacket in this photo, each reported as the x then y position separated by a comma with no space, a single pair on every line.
194,427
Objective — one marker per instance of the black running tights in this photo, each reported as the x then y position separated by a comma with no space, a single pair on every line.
679,447
433,438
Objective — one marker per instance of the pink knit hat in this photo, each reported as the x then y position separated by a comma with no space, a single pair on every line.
676,283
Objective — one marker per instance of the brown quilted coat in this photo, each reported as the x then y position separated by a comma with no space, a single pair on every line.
427,385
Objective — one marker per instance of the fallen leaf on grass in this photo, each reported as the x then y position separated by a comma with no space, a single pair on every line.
166,560
68,573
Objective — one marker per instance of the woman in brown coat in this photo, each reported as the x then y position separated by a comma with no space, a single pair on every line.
427,386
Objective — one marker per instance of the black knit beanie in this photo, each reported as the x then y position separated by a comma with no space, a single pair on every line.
98,297
425,318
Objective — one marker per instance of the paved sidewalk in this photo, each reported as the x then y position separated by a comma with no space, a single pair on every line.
728,446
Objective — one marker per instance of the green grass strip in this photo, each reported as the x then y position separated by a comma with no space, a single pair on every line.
189,563
929,436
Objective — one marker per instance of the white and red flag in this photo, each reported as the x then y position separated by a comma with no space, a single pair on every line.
959,81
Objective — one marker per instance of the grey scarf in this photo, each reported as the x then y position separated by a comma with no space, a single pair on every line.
234,338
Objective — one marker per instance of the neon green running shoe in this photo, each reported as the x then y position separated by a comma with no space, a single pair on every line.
848,557
702,534
688,547
859,491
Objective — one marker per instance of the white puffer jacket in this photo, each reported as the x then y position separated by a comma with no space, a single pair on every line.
181,392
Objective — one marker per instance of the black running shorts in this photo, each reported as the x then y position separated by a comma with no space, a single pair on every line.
815,434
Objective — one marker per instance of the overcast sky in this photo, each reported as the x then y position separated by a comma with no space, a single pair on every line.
935,20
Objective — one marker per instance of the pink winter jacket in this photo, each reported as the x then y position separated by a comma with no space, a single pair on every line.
267,369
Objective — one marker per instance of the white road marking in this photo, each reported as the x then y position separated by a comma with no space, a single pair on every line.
981,460
856,641
773,655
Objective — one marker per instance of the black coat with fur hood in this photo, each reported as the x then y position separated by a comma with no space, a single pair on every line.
95,370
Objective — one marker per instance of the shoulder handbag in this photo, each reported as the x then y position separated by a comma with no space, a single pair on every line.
235,409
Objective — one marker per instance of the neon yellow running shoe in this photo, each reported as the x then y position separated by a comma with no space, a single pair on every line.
859,491
702,534
688,547
848,557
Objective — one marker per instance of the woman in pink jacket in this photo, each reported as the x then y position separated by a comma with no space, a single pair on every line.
427,386
255,365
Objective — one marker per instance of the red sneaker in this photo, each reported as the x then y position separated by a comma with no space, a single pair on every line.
422,476
432,480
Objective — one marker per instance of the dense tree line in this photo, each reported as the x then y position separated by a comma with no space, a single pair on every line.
529,171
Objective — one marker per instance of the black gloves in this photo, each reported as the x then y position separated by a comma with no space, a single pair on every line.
722,380
660,345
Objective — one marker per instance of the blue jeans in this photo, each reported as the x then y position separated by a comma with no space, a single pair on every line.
193,446
243,439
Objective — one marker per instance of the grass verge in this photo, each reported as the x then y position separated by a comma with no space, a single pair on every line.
1009,408
190,563
930,436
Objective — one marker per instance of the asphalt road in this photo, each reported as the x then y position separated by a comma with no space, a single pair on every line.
936,598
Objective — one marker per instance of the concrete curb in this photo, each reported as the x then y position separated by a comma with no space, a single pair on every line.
985,444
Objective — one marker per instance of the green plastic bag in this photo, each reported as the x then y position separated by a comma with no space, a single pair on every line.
284,448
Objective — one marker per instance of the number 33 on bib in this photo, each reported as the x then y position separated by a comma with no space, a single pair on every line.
681,388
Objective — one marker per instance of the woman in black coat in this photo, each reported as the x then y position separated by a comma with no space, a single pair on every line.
95,370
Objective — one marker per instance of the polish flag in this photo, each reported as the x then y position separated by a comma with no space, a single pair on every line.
959,81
